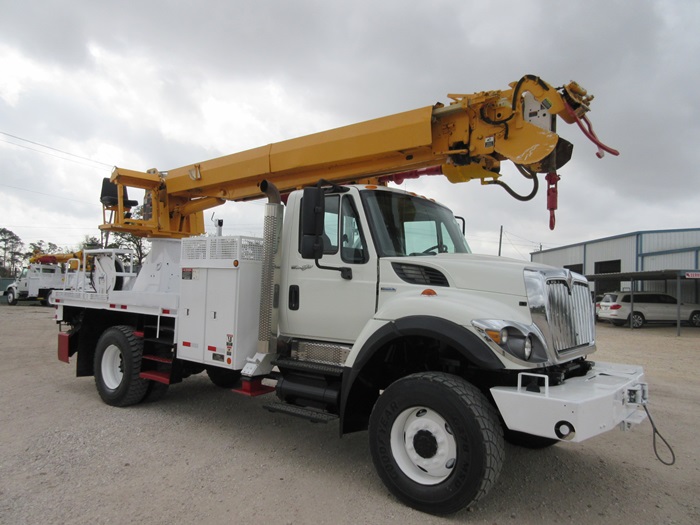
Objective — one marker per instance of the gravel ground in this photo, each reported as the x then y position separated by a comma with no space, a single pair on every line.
204,454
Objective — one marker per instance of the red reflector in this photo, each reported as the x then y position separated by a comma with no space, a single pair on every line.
186,343
64,347
138,334
56,300
123,307
616,307
166,311
112,305
211,348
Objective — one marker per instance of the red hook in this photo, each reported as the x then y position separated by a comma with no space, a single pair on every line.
552,196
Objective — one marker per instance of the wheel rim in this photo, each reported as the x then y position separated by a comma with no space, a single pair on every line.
695,319
112,367
637,321
423,445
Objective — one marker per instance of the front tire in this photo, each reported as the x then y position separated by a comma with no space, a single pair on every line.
117,366
11,297
436,442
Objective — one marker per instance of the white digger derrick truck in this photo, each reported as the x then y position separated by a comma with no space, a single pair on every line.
362,304
40,278
36,282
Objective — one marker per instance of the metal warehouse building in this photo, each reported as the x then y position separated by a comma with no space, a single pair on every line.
660,261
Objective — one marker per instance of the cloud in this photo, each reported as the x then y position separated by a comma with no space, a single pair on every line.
158,84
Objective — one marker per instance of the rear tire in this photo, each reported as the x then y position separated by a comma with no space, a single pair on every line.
46,301
636,320
695,319
436,442
223,377
117,367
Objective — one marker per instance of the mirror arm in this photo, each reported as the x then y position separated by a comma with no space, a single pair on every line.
345,272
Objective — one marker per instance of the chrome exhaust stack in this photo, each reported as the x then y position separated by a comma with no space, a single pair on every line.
270,280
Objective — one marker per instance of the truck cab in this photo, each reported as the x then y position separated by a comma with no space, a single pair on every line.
366,229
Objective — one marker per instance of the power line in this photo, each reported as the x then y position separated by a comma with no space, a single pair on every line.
51,148
49,154
513,246
47,194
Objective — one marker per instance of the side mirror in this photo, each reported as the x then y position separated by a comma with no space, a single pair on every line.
312,215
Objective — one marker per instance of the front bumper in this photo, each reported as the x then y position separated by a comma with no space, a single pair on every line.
609,395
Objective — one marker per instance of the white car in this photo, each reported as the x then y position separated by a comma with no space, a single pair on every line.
649,307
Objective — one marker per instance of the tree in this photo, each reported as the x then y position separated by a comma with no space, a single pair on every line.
90,243
41,247
11,252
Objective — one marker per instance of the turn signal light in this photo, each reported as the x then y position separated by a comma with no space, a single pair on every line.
498,336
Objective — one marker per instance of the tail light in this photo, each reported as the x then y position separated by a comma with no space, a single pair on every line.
615,306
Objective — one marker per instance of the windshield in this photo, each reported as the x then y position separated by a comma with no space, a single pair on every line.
406,225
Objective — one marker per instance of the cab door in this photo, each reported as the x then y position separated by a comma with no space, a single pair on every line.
23,282
318,303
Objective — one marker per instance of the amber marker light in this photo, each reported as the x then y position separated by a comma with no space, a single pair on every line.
371,187
428,292
235,263
498,336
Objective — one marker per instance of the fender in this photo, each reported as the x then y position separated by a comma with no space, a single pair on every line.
463,340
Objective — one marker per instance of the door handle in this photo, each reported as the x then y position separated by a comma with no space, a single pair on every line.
294,297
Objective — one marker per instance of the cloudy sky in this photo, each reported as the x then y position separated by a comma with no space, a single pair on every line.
88,84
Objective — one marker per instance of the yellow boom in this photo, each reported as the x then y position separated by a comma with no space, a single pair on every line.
464,140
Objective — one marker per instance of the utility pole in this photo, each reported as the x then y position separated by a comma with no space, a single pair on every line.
500,241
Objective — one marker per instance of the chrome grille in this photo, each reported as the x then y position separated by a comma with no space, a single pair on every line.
562,309
570,314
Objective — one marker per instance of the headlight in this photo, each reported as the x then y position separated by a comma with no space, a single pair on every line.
519,340
527,348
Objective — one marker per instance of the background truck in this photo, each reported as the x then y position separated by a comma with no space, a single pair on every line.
362,304
80,271
39,279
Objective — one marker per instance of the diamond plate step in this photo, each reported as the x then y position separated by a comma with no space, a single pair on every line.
310,414
308,366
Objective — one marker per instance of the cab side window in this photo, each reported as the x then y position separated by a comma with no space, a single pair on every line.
342,231
330,225
353,249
